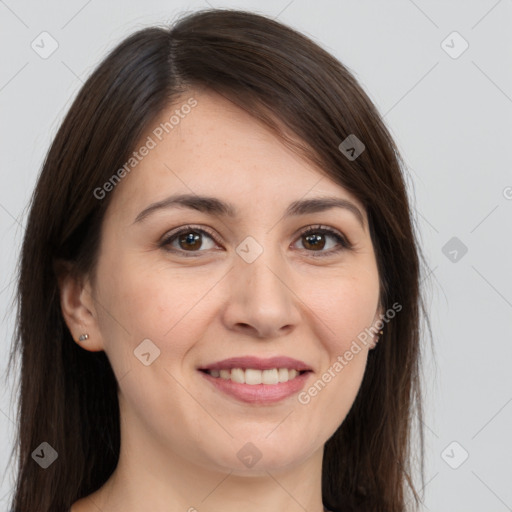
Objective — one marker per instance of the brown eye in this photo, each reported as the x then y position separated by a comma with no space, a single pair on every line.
187,240
191,240
314,240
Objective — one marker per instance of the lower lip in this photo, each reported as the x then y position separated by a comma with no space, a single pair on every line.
258,393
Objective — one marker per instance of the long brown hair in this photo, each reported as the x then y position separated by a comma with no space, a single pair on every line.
68,396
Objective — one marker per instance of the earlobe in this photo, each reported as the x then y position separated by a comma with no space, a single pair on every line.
78,311
377,326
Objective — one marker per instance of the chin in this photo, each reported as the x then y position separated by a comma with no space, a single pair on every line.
257,457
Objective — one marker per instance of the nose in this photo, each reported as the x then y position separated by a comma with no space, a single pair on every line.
262,302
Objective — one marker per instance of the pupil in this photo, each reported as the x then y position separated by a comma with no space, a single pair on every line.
315,240
190,238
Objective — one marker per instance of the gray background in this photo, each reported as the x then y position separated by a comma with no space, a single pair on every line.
451,118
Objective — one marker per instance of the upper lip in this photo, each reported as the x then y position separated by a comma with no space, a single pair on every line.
258,363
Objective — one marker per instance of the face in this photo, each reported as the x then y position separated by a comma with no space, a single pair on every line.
179,288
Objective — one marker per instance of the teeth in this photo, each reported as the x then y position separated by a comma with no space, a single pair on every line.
270,376
237,375
283,374
252,376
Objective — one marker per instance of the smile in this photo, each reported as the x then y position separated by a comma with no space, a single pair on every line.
259,387
252,376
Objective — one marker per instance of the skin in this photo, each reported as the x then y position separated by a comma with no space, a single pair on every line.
180,435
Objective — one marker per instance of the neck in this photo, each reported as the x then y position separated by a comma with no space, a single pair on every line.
150,476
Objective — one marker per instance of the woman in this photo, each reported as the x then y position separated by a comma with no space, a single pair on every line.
219,286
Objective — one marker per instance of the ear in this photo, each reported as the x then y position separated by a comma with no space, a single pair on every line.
78,307
378,315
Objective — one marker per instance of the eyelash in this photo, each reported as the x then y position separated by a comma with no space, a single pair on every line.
344,244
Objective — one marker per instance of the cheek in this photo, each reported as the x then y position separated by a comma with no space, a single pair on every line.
145,303
151,302
346,307
344,313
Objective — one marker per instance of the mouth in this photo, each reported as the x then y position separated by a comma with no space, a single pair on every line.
253,376
255,380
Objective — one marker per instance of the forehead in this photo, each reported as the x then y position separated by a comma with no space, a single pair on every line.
215,148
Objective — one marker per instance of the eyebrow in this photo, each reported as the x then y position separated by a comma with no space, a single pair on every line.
214,206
